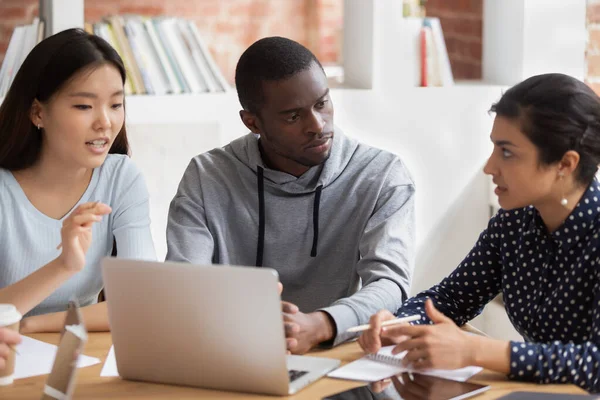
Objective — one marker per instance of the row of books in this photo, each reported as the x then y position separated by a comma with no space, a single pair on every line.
162,55
23,39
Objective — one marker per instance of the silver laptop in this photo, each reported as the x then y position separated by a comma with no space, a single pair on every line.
216,327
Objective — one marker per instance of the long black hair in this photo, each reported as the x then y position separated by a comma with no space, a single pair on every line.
557,113
47,68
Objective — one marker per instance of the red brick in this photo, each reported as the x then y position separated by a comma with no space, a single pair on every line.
448,25
204,8
207,10
225,27
3,46
593,62
95,14
477,7
248,9
469,27
13,13
465,69
329,57
141,10
475,51
466,50
594,39
593,13
595,87
16,3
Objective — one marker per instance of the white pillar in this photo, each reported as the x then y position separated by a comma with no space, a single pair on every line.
522,38
59,15
380,47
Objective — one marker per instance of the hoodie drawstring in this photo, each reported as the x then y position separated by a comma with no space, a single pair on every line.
316,206
261,218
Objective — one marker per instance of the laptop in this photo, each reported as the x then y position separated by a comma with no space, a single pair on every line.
217,327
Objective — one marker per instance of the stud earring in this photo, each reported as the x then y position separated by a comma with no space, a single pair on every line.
39,127
563,201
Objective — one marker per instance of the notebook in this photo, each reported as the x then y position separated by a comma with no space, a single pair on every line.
375,367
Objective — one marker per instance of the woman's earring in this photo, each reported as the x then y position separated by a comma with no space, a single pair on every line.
563,201
39,127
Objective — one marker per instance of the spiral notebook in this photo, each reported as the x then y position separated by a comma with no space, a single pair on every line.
375,367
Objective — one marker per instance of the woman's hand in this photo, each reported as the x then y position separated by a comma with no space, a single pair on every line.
442,345
76,234
8,339
372,339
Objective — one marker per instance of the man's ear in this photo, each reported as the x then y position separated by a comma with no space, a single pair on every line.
251,121
36,114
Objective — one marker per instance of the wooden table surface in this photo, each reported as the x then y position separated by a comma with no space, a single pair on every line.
91,386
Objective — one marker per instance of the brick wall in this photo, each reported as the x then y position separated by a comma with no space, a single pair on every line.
462,23
228,26
593,48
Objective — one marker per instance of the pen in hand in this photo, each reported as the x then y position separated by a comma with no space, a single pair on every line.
396,321
14,350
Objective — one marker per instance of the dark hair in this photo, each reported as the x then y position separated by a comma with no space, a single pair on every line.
47,68
558,113
269,59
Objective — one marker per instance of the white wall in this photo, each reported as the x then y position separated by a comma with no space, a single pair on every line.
522,38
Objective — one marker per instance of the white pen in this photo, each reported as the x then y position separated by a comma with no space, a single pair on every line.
396,321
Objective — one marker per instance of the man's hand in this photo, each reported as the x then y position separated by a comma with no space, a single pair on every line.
308,330
304,331
291,329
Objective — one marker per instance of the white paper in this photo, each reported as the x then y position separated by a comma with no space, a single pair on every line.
366,370
110,365
37,358
77,330
369,370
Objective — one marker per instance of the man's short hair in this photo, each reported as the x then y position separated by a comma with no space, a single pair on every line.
269,59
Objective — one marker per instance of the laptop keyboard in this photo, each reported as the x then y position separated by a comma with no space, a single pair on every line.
295,374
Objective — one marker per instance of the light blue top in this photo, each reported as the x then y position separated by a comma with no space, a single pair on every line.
28,238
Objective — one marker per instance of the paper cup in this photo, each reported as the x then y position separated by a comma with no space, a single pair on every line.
9,318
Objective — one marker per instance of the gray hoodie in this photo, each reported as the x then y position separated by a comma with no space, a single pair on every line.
346,223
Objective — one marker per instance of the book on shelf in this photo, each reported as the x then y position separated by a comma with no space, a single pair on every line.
162,55
435,63
23,39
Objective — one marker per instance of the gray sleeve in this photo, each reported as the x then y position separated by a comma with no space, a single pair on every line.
387,249
131,216
188,236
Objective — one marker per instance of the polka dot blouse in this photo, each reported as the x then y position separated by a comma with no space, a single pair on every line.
551,289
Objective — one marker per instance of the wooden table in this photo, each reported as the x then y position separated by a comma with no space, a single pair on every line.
91,386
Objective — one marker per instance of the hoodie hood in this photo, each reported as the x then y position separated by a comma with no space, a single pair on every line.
245,150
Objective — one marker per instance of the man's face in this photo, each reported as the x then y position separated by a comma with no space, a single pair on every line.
295,122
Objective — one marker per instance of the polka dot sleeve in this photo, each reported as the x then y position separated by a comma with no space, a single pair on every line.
462,295
560,362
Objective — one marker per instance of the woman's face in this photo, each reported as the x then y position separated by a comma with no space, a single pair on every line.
515,168
81,121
